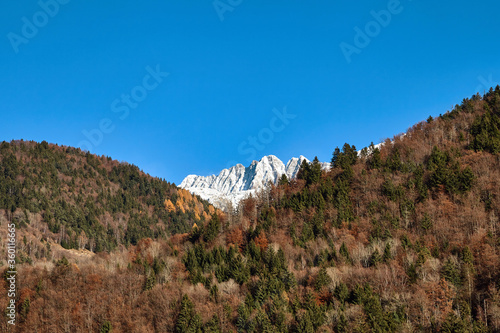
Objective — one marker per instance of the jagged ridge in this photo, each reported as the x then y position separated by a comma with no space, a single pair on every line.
233,184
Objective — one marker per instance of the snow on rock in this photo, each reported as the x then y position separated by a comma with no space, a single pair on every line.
238,182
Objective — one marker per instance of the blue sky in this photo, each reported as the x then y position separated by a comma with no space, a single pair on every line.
245,78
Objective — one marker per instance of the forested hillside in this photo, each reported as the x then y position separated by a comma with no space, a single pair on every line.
83,201
401,238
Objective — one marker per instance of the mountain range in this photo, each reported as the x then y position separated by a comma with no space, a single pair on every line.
238,182
400,237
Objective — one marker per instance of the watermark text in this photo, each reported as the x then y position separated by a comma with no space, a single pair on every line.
11,273
30,27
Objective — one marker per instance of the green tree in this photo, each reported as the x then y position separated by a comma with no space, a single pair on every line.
347,157
242,320
187,319
393,161
344,252
375,258
322,279
387,253
150,281
310,172
304,171
106,327
315,171
374,161
213,228
213,325
451,273
283,180
341,292
426,223
304,324
486,132
342,324
420,185
342,202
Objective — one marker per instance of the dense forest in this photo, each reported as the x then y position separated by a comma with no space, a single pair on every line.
401,237
83,201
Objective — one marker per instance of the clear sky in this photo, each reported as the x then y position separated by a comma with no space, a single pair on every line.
245,78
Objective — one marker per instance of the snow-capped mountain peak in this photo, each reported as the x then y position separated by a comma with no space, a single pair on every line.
238,182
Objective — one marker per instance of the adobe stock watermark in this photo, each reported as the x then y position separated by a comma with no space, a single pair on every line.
486,83
373,28
277,124
122,107
30,27
11,273
223,6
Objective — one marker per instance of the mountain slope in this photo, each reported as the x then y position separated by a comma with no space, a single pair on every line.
238,182
404,238
80,200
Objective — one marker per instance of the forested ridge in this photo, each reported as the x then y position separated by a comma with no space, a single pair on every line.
84,201
402,237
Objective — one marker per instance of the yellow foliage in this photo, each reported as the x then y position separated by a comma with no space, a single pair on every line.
206,216
185,195
169,205
184,200
198,209
180,204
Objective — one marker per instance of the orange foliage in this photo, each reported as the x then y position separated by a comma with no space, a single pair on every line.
261,241
235,238
441,295
25,293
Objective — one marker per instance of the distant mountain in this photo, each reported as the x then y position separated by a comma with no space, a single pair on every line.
238,182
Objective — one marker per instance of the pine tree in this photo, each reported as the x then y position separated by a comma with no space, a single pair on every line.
214,293
322,279
263,323
347,157
150,279
486,132
304,324
387,253
106,327
344,252
187,319
393,161
315,173
242,318
420,185
342,202
342,324
375,258
341,292
283,180
213,325
451,273
212,229
304,171
426,223
374,161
